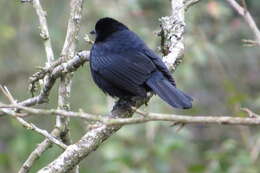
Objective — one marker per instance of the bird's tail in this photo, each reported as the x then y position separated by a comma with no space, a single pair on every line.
168,92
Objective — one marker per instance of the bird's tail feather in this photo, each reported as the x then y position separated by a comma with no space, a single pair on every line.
168,92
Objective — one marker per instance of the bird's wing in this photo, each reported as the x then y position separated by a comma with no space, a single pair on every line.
127,70
159,64
136,43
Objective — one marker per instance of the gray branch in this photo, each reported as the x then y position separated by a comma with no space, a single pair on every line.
67,53
252,119
67,67
248,19
44,31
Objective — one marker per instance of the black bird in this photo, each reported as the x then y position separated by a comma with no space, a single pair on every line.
123,66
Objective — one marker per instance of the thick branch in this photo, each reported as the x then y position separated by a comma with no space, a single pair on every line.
172,30
68,53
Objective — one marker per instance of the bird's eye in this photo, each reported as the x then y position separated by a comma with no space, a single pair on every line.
93,32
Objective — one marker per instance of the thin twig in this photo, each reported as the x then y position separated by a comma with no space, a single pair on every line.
250,113
37,152
44,31
44,133
67,67
147,117
248,18
29,126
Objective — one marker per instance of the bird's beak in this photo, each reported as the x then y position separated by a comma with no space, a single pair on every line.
93,32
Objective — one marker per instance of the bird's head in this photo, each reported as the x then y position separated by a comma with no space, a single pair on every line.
105,27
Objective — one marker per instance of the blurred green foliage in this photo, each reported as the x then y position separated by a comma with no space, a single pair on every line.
218,71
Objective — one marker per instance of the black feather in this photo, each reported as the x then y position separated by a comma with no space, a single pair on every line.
122,65
169,93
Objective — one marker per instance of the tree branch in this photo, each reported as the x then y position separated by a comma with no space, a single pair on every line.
38,151
253,118
172,30
248,18
26,124
44,31
31,126
67,53
66,67
50,58
70,66
90,141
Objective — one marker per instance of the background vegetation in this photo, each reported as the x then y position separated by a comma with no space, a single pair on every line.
218,71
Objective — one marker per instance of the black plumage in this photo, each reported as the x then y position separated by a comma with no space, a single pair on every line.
123,66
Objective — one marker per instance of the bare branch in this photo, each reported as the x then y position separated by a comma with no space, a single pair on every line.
186,120
67,67
44,31
253,119
248,18
172,30
90,141
250,113
29,126
68,52
38,151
